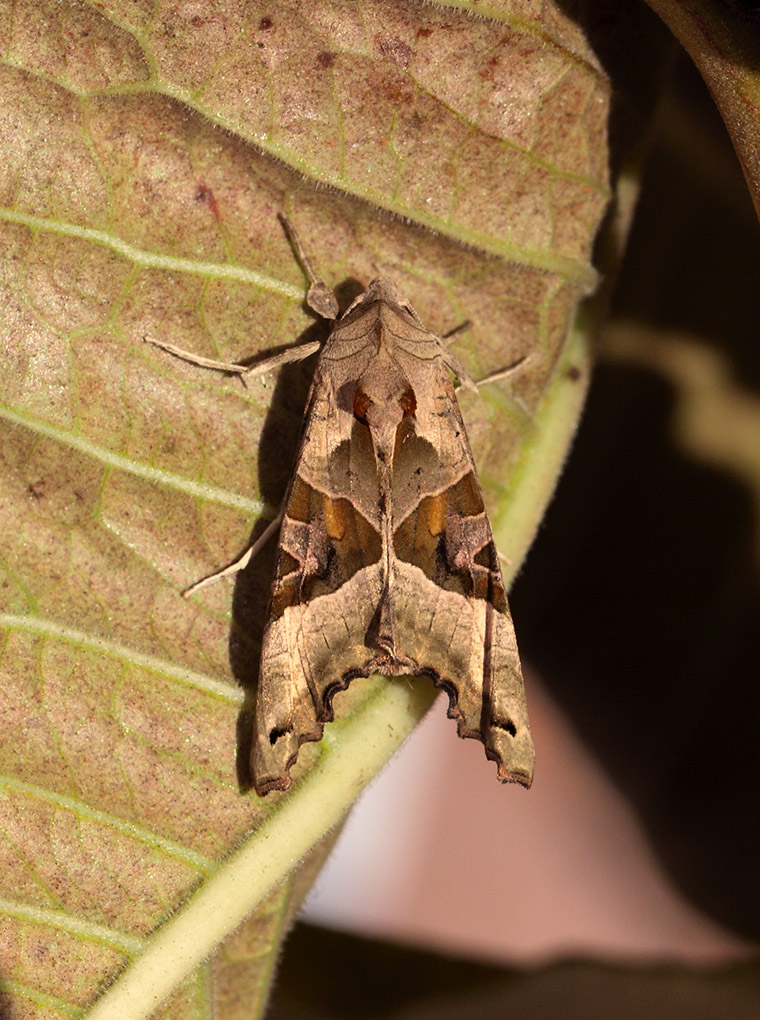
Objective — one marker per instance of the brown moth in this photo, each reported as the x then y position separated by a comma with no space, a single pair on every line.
386,562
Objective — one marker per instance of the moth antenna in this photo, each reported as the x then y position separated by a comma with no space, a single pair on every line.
298,248
319,297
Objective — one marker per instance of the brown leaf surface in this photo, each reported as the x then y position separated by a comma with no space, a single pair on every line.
145,150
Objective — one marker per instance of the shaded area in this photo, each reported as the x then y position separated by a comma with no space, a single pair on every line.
640,602
327,974
278,449
692,258
641,608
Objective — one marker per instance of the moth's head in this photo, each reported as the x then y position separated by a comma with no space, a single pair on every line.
382,288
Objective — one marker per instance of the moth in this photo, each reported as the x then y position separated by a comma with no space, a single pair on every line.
386,562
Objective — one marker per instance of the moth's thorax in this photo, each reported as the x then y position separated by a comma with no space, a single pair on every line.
383,365
382,299
382,288
384,395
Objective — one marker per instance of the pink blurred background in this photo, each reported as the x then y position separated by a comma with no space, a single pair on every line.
438,854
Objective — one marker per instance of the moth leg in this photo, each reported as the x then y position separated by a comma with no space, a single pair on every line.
242,561
453,333
502,373
465,380
298,353
467,383
319,296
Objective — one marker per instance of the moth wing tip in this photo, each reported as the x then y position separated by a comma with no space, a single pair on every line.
518,766
273,784
271,765
521,776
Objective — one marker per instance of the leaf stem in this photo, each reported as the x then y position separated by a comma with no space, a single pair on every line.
353,753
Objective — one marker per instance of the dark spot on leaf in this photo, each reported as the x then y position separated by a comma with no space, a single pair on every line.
203,193
490,69
265,23
325,59
395,50
573,373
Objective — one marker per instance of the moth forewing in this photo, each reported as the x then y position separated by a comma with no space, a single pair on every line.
386,562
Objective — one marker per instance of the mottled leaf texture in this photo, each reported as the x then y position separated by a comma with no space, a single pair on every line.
145,150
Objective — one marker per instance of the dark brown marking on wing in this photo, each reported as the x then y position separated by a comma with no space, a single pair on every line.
448,537
323,543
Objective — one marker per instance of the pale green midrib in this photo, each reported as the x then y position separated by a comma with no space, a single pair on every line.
198,681
19,990
82,810
275,945
570,270
65,922
151,260
200,490
266,858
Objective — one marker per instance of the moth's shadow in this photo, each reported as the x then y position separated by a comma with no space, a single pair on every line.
278,449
